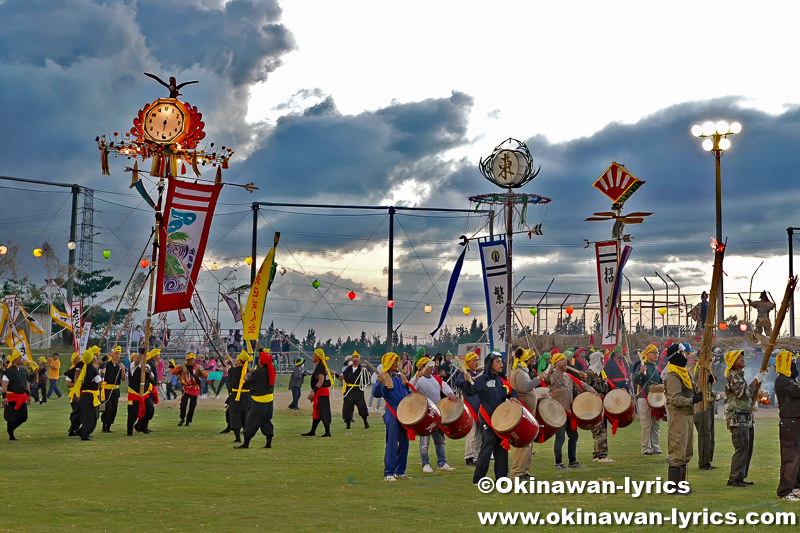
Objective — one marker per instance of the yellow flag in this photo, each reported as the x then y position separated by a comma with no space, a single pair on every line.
3,314
32,322
254,309
62,319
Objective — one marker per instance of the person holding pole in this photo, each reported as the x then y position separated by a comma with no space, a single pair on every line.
679,390
787,390
261,383
114,374
15,393
739,404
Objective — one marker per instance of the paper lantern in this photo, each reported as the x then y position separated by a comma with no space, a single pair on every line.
214,266
662,311
37,252
534,311
282,271
71,245
351,295
636,306
569,311
428,308
106,253
466,310
723,326
3,250
743,326
315,284
390,304
248,260
144,263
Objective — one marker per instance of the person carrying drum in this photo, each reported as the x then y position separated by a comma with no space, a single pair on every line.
617,370
432,387
647,376
679,390
594,377
492,389
787,390
739,402
395,457
561,389
522,383
472,445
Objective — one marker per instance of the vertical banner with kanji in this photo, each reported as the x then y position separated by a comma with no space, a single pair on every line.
85,332
494,261
182,242
76,312
254,308
606,275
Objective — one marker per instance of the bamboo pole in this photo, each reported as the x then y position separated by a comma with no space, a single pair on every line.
773,338
704,360
153,263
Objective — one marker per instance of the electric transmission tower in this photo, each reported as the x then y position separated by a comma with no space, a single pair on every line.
87,231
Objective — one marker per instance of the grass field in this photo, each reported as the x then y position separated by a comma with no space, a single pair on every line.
180,478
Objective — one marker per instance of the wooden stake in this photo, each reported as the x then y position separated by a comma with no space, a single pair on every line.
708,332
773,338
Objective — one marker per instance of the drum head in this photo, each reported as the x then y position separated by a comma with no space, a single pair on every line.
412,409
506,417
617,401
551,413
587,406
542,393
451,411
656,400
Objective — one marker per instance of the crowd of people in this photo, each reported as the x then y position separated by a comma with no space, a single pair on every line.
672,370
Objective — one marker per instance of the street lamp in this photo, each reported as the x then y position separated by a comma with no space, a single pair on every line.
716,140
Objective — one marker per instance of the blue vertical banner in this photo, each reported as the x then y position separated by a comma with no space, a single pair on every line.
494,263
451,288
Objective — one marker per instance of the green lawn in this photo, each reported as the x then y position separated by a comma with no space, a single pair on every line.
191,478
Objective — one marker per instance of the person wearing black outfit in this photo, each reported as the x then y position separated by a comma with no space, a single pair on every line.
140,409
74,396
88,385
15,394
787,390
296,382
356,379
320,395
114,374
261,382
238,395
492,389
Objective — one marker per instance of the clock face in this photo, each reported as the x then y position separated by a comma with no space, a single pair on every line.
164,122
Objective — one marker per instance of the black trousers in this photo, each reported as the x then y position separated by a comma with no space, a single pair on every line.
572,443
88,415
238,410
110,409
491,445
790,456
324,410
133,414
354,398
75,416
742,438
192,402
15,418
258,417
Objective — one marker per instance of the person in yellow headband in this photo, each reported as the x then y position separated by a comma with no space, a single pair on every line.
474,439
739,402
190,375
395,458
88,386
520,379
238,395
141,408
70,377
787,392
320,395
113,376
355,379
15,393
647,375
261,382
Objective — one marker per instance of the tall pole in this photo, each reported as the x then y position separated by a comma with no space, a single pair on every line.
390,291
154,258
720,290
509,281
73,235
254,245
790,231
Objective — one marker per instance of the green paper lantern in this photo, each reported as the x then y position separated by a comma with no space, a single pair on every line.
106,254
533,311
315,284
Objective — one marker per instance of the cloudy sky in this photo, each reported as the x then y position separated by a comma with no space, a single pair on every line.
372,103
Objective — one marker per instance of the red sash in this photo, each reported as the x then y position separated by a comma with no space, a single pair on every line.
322,391
134,397
192,390
19,398
409,432
488,419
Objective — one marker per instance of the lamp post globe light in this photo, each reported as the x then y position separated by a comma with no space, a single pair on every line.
715,139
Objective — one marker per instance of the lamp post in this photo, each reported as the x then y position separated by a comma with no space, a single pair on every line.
716,140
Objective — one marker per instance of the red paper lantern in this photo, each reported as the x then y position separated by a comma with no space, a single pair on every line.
390,303
743,326
723,326
569,311
351,295
144,263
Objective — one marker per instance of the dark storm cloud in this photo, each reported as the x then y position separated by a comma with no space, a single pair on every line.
242,41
